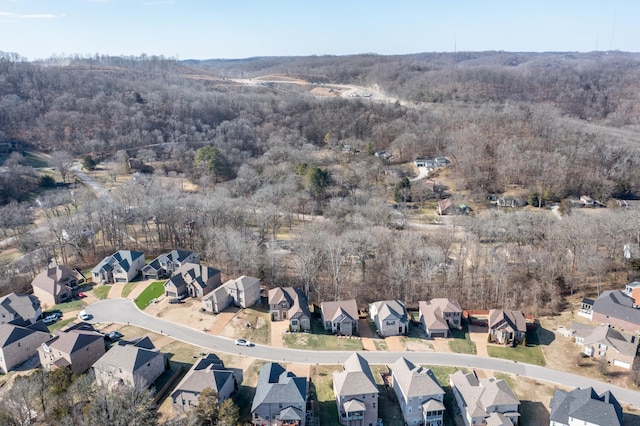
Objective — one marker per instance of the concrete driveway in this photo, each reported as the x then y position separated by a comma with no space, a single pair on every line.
478,335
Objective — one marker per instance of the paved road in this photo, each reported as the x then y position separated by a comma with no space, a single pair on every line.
125,312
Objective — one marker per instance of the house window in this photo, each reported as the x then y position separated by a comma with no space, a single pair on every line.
602,353
389,323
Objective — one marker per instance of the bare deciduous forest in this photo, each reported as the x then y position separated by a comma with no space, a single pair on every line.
287,186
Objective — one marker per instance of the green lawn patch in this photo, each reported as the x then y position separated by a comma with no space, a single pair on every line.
128,288
321,390
60,324
319,339
462,344
74,305
528,354
153,291
101,291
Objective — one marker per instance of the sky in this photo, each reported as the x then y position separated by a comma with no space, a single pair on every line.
213,29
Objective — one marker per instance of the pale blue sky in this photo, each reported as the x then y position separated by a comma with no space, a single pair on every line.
204,29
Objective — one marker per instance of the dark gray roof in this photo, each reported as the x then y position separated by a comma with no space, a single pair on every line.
126,357
20,305
618,305
10,333
276,385
123,258
587,301
207,372
585,405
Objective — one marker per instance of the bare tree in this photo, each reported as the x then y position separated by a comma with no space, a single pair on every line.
63,161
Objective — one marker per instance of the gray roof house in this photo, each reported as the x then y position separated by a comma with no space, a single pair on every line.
507,327
438,315
356,392
19,306
165,265
618,348
479,398
122,266
242,292
390,317
192,279
55,285
419,393
138,364
207,372
340,317
288,303
280,398
77,347
618,309
584,406
19,342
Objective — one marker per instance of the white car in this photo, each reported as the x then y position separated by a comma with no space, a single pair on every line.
83,315
243,342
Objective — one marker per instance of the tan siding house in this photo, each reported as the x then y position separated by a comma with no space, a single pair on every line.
55,285
77,347
134,365
19,343
356,393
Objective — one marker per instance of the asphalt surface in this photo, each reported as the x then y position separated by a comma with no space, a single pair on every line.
124,311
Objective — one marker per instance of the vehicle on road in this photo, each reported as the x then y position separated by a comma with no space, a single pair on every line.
84,316
243,342
112,336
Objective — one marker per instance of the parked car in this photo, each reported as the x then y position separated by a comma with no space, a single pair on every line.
112,336
84,316
175,300
51,318
243,342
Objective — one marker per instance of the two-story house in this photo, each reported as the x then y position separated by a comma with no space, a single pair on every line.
121,267
340,317
280,398
356,393
484,400
438,315
390,317
288,303
163,266
19,341
19,306
55,285
193,280
507,327
419,394
242,292
207,372
617,347
77,347
584,407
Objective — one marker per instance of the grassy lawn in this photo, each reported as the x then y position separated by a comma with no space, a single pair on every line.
74,305
322,393
528,354
128,288
462,344
319,339
247,390
60,324
260,330
442,374
153,291
101,291
388,406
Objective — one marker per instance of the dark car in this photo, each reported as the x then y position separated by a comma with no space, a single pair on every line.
112,336
175,300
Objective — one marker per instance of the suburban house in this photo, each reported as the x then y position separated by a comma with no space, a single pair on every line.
356,393
390,317
207,372
419,393
77,347
340,317
138,364
280,398
192,279
511,202
507,327
617,308
19,306
163,266
55,285
242,292
618,348
447,207
438,315
121,267
19,341
586,308
484,401
288,303
584,407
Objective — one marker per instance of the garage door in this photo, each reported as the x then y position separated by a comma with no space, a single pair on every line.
622,364
440,334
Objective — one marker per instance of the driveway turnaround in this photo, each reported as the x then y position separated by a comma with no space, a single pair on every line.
125,312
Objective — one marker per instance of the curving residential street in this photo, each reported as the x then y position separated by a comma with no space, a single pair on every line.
124,311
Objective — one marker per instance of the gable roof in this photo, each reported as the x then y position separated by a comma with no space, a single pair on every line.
618,305
585,405
242,283
333,310
294,297
391,308
122,258
177,256
513,319
126,357
192,273
415,381
612,337
74,339
356,378
432,312
276,385
479,394
11,333
50,280
207,372
20,305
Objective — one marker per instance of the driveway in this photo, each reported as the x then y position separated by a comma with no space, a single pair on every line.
277,332
478,335
124,311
